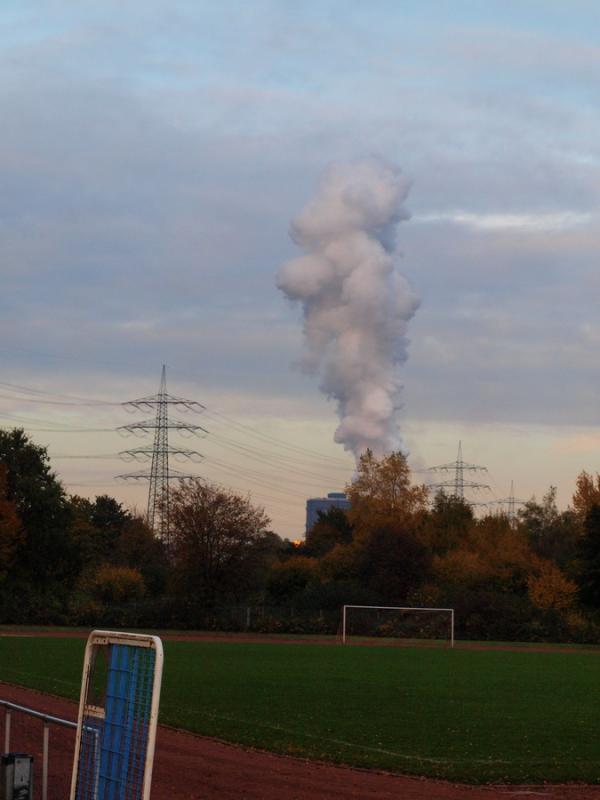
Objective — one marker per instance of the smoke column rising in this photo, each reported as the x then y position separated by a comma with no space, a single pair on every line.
356,305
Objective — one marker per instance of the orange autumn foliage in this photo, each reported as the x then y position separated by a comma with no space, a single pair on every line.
114,584
549,589
382,492
491,550
587,493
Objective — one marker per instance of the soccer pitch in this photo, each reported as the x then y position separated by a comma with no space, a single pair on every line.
469,715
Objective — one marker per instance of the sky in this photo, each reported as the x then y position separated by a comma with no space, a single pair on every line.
152,156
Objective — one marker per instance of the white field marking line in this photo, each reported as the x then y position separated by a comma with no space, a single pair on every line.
343,743
256,723
19,673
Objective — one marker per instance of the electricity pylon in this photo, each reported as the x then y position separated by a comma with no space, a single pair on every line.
458,484
160,473
511,502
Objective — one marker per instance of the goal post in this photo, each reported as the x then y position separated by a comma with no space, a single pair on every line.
448,612
118,717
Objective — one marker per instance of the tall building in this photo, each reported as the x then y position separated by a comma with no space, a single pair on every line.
316,504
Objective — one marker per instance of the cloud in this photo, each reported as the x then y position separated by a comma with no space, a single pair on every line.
552,221
150,169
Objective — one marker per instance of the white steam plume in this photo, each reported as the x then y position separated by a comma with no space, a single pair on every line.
356,305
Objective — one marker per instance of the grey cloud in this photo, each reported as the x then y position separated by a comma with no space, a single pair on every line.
142,223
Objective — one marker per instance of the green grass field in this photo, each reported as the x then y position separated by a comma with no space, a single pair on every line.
465,715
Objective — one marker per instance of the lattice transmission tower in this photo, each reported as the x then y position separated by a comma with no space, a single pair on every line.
511,502
458,484
160,473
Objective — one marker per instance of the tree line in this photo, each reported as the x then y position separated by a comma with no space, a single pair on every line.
69,560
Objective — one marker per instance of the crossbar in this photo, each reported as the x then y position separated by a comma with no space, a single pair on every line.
399,608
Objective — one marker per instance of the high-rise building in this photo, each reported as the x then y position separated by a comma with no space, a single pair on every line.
316,504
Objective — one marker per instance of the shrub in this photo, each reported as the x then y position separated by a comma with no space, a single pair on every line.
112,584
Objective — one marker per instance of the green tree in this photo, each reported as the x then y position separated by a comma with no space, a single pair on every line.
394,563
86,541
553,534
332,527
11,529
385,564
289,579
447,524
45,554
109,518
589,551
138,548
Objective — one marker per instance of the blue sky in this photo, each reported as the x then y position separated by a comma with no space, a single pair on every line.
153,155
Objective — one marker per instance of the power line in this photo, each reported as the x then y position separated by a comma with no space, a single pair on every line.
272,461
44,392
277,442
95,457
58,402
54,356
253,475
333,462
26,420
71,430
275,454
267,484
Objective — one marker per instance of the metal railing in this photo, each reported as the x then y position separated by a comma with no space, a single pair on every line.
48,720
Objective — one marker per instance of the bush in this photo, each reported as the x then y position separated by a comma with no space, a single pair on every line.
111,584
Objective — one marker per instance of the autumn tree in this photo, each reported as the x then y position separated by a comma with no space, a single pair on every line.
492,554
586,495
218,540
114,584
550,590
382,492
383,554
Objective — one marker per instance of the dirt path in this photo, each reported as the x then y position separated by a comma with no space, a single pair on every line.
261,638
189,767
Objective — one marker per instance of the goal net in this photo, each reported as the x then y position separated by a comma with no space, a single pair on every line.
118,712
404,624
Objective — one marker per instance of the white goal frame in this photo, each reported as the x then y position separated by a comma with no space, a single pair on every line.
399,608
